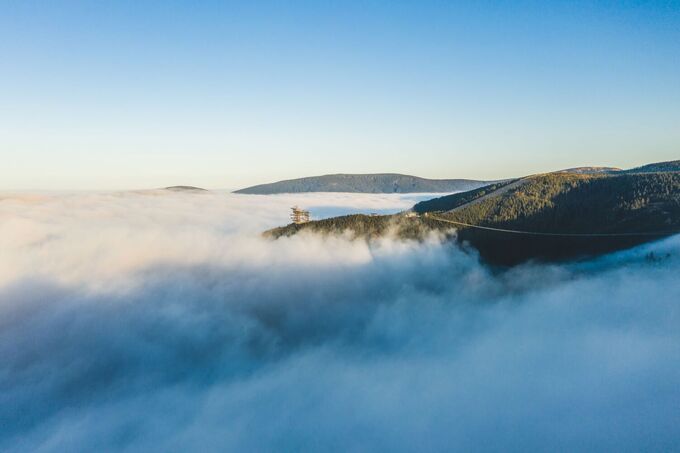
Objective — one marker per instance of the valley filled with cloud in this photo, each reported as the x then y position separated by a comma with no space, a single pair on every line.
163,321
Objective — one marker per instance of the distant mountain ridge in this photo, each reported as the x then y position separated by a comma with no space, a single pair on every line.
185,189
671,165
365,183
590,170
550,216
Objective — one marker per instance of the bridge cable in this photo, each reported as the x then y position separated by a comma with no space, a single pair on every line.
536,233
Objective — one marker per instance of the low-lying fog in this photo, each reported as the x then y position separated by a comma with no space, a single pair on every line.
161,321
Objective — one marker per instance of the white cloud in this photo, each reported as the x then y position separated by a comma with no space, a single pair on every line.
162,321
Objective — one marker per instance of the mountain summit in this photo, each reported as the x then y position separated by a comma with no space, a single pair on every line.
364,183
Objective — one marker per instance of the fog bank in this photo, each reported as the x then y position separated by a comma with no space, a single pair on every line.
157,321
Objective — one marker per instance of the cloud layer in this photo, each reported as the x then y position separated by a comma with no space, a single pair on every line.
162,322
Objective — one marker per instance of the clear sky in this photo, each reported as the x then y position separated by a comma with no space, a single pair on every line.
137,94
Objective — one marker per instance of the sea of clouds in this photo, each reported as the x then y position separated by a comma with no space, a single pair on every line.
162,321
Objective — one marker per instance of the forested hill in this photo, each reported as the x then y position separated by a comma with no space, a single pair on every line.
570,202
639,204
633,204
369,183
671,165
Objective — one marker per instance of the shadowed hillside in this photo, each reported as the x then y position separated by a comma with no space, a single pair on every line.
567,203
631,207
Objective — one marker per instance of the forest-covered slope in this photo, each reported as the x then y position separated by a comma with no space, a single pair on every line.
637,205
630,207
671,165
369,183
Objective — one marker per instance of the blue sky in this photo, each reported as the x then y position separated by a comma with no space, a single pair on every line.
109,95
